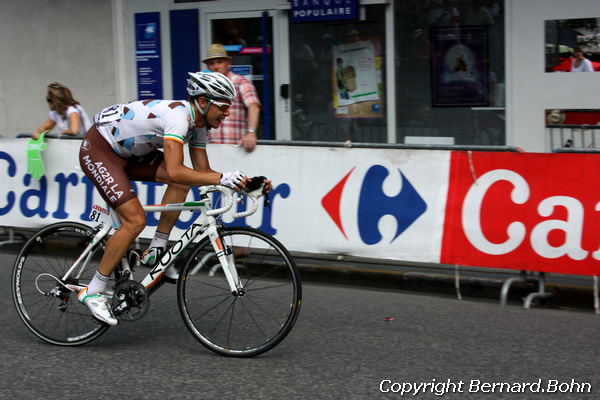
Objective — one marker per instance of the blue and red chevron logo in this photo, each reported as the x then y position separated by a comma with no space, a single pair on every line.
373,204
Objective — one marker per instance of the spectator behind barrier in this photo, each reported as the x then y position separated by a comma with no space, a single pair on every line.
240,127
66,115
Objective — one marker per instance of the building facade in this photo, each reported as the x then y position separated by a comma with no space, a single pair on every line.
464,72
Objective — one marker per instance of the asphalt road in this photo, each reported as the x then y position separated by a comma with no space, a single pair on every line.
342,347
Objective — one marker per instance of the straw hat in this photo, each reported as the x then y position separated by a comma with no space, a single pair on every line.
216,50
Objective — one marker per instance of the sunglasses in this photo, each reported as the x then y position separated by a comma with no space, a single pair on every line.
223,107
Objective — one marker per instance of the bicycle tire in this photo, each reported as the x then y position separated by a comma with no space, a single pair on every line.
51,251
265,313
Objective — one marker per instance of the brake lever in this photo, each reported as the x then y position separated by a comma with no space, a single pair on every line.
265,194
267,202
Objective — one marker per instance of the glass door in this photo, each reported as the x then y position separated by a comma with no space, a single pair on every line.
252,39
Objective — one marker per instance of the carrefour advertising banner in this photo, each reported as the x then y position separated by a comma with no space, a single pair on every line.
506,210
536,212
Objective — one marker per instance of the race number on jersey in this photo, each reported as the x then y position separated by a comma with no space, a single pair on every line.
109,114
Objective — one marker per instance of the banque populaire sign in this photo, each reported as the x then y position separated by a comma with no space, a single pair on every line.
324,10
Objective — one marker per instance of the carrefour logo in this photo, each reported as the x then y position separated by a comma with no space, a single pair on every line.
373,204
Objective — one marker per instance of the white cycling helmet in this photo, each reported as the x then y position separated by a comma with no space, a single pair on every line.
213,85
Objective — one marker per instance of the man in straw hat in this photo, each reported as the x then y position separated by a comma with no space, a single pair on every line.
240,127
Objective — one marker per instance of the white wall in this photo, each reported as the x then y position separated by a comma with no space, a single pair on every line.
43,41
530,90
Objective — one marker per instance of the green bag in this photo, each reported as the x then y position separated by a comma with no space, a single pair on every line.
35,163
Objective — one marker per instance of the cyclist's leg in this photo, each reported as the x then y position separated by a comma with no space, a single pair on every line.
154,169
175,193
133,222
107,171
109,174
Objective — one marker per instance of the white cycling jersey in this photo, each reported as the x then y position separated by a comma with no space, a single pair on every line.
138,127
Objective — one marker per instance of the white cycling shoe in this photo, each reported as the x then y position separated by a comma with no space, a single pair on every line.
151,256
98,305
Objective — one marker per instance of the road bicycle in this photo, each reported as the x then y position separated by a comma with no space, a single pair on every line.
239,290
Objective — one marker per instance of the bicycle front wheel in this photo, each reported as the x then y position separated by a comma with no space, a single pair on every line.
253,320
50,310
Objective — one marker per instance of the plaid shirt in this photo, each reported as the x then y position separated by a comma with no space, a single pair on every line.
233,127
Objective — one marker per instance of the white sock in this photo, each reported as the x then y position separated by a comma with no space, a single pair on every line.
97,284
160,240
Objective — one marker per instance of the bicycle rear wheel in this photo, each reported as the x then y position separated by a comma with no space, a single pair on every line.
246,324
49,310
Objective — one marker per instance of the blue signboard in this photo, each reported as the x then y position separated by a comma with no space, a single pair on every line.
147,54
324,10
244,70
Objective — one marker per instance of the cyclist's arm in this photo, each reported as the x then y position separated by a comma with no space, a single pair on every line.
200,161
179,173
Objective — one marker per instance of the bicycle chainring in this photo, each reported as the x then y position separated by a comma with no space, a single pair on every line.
130,300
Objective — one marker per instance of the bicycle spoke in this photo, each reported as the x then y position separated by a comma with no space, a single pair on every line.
263,310
210,296
222,317
213,286
253,319
251,282
215,306
268,287
231,322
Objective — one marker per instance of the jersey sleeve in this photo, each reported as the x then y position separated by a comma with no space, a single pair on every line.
199,139
175,125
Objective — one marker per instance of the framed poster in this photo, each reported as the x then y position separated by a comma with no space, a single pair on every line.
357,79
459,70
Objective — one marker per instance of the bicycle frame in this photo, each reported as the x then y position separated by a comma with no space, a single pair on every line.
207,225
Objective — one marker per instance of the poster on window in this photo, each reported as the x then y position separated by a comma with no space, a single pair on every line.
459,68
356,75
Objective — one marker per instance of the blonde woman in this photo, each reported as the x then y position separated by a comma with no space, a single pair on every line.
66,115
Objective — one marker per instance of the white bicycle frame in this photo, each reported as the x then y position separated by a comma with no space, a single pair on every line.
206,223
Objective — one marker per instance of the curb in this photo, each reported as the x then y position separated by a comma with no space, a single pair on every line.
563,295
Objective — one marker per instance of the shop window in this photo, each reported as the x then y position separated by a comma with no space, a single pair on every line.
338,80
450,71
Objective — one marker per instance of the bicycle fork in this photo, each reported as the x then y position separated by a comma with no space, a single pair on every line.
226,258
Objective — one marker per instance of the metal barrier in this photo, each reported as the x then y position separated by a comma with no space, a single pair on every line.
348,144
571,136
579,136
358,145
523,276
50,136
12,236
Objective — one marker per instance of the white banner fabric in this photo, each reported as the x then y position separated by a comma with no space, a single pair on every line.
379,203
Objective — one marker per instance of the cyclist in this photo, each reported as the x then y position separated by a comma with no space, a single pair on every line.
123,144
